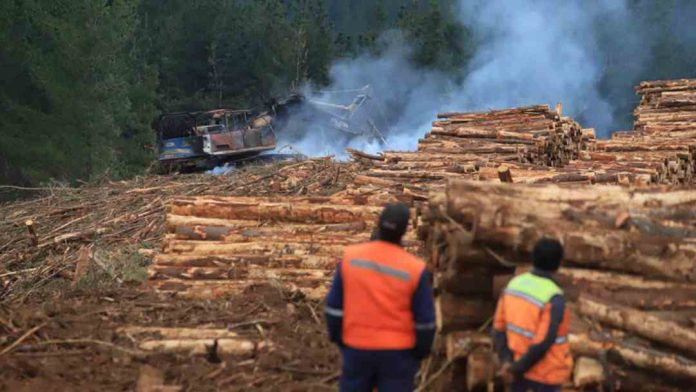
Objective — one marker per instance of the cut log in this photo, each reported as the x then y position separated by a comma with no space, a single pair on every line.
588,372
617,280
641,323
460,313
480,369
473,282
214,273
501,221
242,260
458,344
214,289
649,359
194,223
288,211
176,333
227,346
504,174
217,248
223,235
627,290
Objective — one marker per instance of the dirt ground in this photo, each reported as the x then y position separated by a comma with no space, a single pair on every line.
77,347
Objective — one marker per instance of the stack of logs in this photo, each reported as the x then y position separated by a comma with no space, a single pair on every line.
219,246
534,142
533,134
667,107
531,145
629,267
661,148
632,251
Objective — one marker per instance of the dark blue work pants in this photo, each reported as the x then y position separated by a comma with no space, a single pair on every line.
524,385
386,370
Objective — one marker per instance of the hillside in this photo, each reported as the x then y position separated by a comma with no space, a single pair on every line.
200,282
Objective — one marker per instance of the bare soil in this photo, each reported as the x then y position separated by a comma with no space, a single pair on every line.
65,353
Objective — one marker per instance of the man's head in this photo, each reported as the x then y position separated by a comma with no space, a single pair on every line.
547,255
393,222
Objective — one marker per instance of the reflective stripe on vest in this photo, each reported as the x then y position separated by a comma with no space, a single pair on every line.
379,280
535,289
525,315
530,334
382,269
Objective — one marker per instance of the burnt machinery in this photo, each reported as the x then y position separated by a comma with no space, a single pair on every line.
202,139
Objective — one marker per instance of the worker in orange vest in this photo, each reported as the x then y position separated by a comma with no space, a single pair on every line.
380,310
531,326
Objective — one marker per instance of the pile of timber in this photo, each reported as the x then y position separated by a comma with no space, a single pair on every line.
533,141
667,107
533,134
220,246
662,144
637,159
630,266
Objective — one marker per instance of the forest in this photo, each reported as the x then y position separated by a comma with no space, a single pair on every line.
83,80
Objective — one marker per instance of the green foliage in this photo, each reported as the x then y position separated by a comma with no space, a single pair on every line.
439,40
235,53
76,91
82,80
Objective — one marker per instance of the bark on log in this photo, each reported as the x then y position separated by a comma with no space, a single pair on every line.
627,290
652,360
270,233
504,174
289,211
242,260
306,276
459,313
472,282
641,323
308,247
214,248
458,344
190,222
501,221
227,346
613,280
480,369
214,289
176,333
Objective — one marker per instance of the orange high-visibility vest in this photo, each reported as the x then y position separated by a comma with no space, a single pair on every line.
524,313
379,281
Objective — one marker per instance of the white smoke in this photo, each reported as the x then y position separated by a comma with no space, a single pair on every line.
529,52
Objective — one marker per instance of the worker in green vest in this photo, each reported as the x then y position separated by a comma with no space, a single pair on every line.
531,326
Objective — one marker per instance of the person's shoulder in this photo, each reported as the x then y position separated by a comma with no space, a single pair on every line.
360,247
412,259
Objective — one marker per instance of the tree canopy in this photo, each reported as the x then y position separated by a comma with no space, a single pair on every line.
82,80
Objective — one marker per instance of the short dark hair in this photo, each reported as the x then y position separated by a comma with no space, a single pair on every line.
547,254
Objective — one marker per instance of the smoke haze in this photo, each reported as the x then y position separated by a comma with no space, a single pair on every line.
533,53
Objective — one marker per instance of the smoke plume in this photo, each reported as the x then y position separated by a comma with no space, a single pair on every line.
528,52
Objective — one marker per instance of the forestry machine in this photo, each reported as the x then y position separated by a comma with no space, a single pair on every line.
205,139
